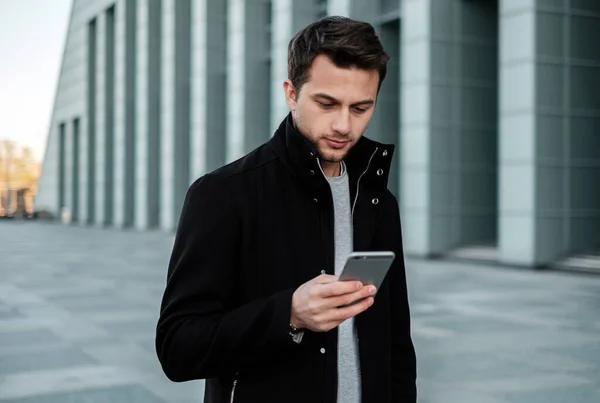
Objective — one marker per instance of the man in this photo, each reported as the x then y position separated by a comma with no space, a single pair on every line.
252,302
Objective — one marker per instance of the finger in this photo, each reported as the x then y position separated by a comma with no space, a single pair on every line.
338,288
341,314
326,279
347,299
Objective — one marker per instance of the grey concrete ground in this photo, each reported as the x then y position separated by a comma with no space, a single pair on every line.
78,308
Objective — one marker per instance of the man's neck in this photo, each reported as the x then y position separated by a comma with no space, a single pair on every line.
331,168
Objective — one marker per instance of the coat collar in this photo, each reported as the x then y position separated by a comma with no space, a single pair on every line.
300,156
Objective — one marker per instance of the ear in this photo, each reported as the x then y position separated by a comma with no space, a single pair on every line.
290,94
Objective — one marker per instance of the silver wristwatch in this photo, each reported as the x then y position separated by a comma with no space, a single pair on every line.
296,334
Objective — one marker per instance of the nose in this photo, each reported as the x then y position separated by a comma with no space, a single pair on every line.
341,123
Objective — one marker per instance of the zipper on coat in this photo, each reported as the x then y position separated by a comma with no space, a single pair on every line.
233,391
359,178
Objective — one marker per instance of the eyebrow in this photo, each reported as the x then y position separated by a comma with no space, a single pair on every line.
364,102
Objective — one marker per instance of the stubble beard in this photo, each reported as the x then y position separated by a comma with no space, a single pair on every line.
314,140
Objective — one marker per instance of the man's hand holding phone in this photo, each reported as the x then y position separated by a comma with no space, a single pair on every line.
324,302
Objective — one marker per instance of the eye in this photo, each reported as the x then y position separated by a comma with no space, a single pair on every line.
325,105
360,110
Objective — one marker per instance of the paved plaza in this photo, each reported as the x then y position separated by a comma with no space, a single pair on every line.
78,309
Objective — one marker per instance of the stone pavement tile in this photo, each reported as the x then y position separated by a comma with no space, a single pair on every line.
461,324
171,391
589,392
439,392
145,341
523,317
125,314
27,337
588,354
7,350
514,340
117,394
126,354
131,328
9,312
97,306
91,298
80,331
549,359
36,383
25,324
471,367
58,290
13,295
526,384
43,360
421,330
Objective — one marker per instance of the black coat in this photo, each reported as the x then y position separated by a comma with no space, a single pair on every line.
250,233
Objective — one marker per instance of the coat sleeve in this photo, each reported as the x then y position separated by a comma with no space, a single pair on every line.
404,365
201,331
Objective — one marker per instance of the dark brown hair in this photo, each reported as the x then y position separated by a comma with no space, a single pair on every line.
347,42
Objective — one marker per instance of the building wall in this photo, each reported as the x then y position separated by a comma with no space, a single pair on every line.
549,124
70,103
448,134
493,106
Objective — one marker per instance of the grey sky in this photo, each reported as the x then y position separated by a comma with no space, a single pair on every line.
32,35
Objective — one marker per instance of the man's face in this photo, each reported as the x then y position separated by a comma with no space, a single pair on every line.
333,107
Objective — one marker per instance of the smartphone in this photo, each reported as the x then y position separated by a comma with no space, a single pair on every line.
369,268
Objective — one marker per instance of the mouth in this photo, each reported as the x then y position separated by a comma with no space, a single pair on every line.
337,144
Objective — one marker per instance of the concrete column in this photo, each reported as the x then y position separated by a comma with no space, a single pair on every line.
131,101
141,117
448,98
108,117
79,157
153,117
167,125
100,95
582,128
339,7
90,127
61,145
358,9
549,130
248,78
288,18
182,105
208,80
119,115
517,133
385,123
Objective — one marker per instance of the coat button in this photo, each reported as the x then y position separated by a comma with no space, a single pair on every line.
379,172
315,200
384,153
312,172
375,201
323,272
322,351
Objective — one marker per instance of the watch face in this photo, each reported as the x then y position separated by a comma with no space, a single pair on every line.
296,334
297,337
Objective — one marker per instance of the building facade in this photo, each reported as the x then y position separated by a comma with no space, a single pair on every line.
494,106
